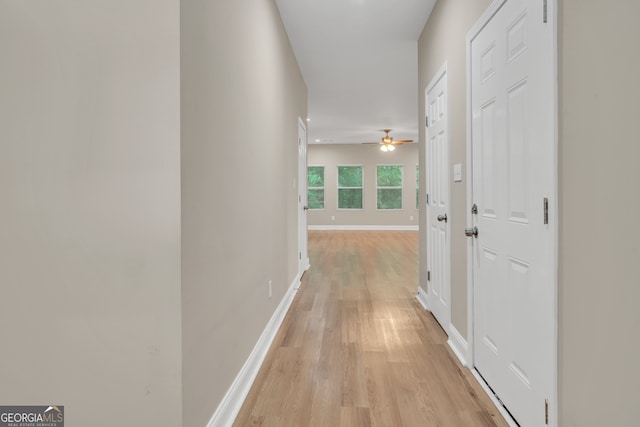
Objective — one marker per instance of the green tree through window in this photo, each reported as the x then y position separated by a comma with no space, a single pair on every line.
389,187
349,187
315,187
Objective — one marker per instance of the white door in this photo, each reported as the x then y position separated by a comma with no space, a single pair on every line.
303,259
437,161
514,175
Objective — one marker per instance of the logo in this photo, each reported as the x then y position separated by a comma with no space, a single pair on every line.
32,416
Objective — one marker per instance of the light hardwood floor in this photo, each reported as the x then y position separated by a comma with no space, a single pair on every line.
356,349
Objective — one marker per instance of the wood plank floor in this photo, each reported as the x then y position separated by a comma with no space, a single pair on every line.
356,349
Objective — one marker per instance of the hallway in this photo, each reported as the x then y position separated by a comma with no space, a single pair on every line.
356,348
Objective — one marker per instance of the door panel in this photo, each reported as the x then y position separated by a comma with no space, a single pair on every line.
512,95
438,257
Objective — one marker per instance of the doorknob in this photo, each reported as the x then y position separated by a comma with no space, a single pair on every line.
442,218
306,208
471,232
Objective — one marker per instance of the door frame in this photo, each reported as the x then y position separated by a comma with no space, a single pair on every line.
552,20
440,74
301,202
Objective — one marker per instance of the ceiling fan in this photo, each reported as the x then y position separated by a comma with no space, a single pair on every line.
388,143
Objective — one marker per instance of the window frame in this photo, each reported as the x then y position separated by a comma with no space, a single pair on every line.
361,188
323,188
401,187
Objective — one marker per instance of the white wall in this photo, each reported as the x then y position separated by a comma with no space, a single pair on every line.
242,94
369,156
90,211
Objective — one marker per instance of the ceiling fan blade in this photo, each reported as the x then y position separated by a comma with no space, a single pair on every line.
377,143
402,141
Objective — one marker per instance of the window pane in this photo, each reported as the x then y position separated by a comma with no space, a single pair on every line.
315,176
389,176
315,199
349,176
389,198
349,199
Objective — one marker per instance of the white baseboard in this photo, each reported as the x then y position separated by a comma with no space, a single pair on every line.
458,344
422,298
495,401
230,405
364,227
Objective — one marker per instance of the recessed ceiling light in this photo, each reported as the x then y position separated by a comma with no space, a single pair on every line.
317,140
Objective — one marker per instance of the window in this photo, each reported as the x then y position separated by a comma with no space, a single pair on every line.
389,185
417,186
315,187
349,187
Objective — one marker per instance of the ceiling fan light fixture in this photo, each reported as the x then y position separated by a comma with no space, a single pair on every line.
388,143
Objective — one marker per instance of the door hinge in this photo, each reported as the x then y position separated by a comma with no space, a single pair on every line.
426,121
544,11
427,198
546,210
546,412
300,255
428,276
474,209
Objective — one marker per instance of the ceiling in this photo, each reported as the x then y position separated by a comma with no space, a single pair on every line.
359,59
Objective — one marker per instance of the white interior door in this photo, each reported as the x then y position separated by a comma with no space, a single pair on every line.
303,258
513,154
437,161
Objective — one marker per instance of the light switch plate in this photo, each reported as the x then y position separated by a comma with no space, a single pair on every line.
457,172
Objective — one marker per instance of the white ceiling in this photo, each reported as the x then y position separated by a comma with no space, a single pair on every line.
359,59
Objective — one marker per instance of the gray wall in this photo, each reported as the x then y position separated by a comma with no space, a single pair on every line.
443,39
90,164
242,94
90,212
369,156
599,204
